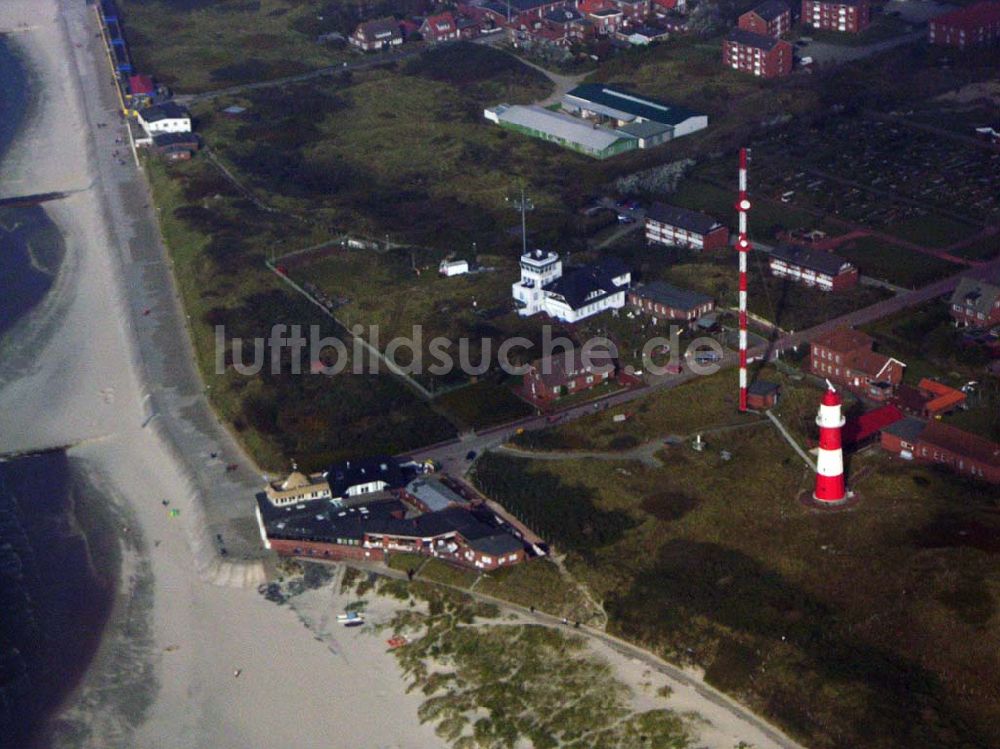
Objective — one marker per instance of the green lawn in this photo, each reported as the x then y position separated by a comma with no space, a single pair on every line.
200,45
932,231
847,629
898,265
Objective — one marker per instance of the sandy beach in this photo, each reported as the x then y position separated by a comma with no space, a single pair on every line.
87,369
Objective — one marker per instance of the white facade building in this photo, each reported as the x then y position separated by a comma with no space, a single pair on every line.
164,118
578,294
453,267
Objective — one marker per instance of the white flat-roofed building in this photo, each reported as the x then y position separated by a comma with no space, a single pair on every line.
453,267
567,131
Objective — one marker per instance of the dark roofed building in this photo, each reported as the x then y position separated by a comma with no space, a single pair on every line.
762,395
680,227
974,25
976,303
565,373
470,536
664,301
167,117
587,290
352,478
375,35
763,55
600,101
823,270
770,18
176,146
936,442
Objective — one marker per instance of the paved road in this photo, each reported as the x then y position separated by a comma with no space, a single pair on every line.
452,455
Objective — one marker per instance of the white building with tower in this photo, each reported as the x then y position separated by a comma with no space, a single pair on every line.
571,296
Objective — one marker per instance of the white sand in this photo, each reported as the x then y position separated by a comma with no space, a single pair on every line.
73,373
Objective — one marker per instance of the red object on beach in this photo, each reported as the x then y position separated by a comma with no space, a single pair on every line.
141,85
281,269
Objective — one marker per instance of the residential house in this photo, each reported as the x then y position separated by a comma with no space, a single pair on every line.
572,295
605,16
770,18
973,26
664,8
762,55
164,118
377,35
566,373
439,28
851,16
665,302
822,270
680,227
975,303
175,146
845,357
296,488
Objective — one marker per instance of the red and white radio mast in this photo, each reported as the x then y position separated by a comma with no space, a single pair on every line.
743,248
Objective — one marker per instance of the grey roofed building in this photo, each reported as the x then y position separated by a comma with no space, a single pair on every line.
434,494
168,110
907,428
815,260
750,39
644,129
165,140
625,105
682,218
672,296
771,9
978,295
561,126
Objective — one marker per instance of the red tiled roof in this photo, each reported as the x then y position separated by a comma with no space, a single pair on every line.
869,424
962,443
869,362
943,398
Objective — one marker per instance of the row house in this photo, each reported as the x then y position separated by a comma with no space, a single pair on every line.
975,25
929,399
822,270
770,18
845,357
762,55
943,444
666,302
975,304
851,16
680,227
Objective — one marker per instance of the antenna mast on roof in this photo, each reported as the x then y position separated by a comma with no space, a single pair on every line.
743,248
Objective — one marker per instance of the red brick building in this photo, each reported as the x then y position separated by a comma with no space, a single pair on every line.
770,18
975,25
928,399
664,302
762,55
762,395
850,16
823,270
670,225
566,373
845,357
935,442
975,304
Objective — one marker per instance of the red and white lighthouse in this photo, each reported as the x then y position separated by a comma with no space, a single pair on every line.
830,485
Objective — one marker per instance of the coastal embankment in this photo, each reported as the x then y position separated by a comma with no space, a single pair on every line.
191,655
